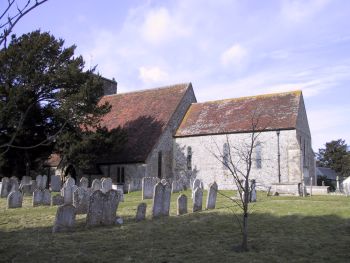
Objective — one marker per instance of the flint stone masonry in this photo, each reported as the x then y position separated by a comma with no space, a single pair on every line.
106,185
96,185
5,182
57,200
102,208
84,182
182,204
14,199
161,200
65,219
56,183
81,199
197,199
212,194
141,212
148,184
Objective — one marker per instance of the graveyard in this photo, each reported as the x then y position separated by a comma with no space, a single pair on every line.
281,229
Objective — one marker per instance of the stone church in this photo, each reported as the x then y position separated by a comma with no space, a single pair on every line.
172,136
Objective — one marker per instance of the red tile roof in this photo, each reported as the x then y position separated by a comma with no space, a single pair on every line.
275,111
144,115
53,161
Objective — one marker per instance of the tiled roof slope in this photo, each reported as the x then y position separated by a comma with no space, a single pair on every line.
275,111
144,115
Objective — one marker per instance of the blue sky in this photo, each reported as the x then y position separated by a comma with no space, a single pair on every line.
226,48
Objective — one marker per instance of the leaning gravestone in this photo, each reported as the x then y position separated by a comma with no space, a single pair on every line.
161,200
148,184
106,185
57,200
65,219
197,199
55,183
84,182
102,208
196,184
141,212
37,197
182,204
96,185
212,194
81,198
4,186
14,199
46,197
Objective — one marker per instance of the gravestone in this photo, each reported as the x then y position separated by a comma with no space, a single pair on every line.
102,208
161,200
148,184
14,199
196,184
81,198
253,191
212,194
106,185
39,181
67,194
56,183
121,193
26,180
37,197
14,185
4,186
57,200
69,181
197,199
141,212
182,204
96,185
44,182
84,182
46,197
26,189
65,219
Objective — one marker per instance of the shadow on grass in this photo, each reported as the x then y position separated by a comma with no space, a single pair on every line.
208,236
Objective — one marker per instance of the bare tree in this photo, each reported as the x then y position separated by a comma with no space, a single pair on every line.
237,158
12,14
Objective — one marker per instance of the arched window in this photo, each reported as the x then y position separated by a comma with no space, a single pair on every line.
258,155
189,158
225,155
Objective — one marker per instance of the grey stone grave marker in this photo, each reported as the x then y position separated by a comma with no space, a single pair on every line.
55,183
212,194
65,219
148,184
141,212
14,199
197,199
182,204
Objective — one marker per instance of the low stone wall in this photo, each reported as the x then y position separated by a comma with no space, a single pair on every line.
318,190
285,189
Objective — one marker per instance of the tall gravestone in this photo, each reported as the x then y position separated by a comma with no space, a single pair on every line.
37,197
106,184
69,181
161,200
96,185
55,183
39,181
5,181
182,204
141,212
44,182
212,194
65,219
67,194
196,184
81,198
197,199
253,191
102,208
14,199
84,183
148,184
46,197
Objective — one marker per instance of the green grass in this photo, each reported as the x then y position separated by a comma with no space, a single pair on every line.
281,229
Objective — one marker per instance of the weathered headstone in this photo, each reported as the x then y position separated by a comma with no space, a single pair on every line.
26,189
65,219
69,181
196,184
148,184
161,200
96,185
56,183
182,204
37,197
39,181
26,180
81,198
4,186
106,185
84,182
212,194
102,208
46,197
44,182
253,191
14,199
14,185
197,199
141,212
67,194
57,200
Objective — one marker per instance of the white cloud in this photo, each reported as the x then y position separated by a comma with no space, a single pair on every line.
152,74
297,11
234,56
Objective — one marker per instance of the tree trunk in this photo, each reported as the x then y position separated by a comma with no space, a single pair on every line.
245,232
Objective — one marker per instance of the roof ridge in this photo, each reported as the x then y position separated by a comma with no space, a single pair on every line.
268,95
185,84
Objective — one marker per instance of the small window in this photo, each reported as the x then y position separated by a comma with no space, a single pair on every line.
225,155
258,155
120,175
189,158
160,164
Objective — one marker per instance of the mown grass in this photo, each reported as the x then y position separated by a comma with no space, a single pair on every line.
281,229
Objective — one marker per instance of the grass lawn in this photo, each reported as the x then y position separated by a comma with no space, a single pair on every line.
281,229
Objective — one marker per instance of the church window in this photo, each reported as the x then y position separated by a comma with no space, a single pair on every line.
225,155
189,158
258,155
